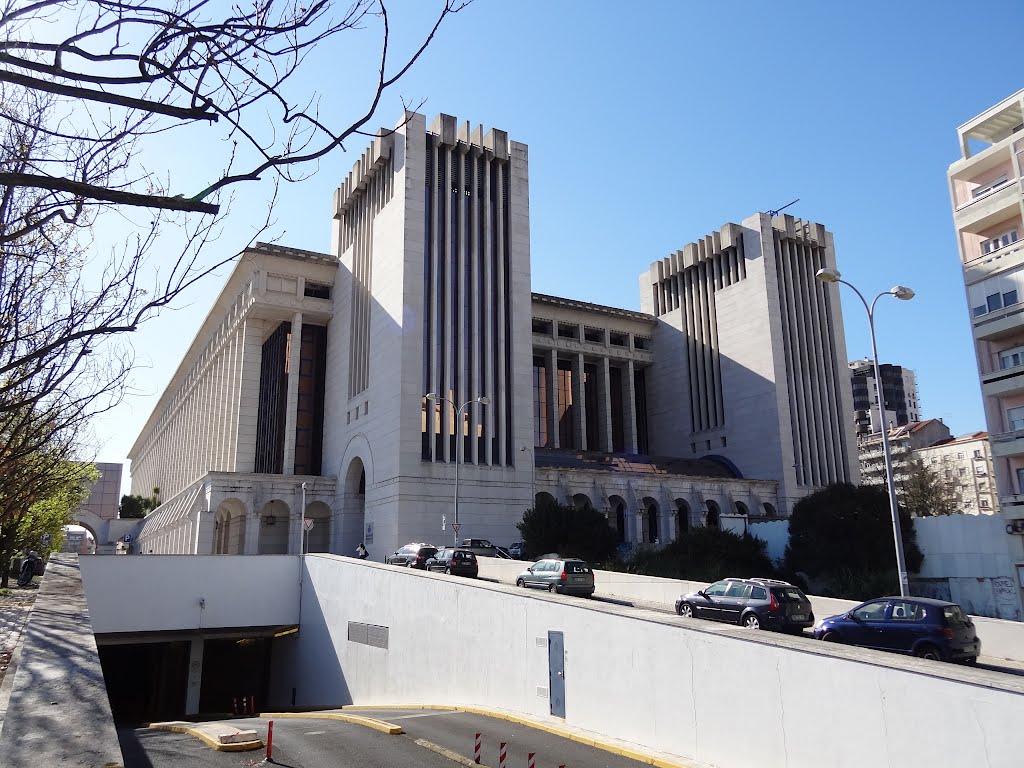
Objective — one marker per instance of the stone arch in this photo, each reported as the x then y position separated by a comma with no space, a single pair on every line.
94,524
582,502
741,508
354,527
545,499
649,521
229,524
617,516
682,516
274,520
769,510
319,537
714,512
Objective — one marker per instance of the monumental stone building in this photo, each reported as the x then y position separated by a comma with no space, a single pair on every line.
303,395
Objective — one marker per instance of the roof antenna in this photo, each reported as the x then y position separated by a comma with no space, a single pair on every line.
776,212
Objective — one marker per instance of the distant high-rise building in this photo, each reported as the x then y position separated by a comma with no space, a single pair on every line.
899,386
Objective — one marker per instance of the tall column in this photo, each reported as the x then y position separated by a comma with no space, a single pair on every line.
579,404
195,675
629,409
605,418
552,387
292,403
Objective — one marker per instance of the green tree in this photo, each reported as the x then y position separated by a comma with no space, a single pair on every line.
705,554
136,506
924,493
572,532
841,538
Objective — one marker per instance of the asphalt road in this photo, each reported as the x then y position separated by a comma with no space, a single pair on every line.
302,743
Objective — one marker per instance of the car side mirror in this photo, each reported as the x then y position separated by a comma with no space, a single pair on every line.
701,593
530,569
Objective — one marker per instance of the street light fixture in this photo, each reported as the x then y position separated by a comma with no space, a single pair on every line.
829,275
459,410
533,475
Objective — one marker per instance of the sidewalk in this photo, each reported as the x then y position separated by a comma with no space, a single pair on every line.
14,612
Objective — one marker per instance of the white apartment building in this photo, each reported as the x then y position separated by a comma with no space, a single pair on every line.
966,464
899,387
987,199
303,395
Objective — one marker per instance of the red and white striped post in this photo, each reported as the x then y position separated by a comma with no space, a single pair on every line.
501,754
529,760
476,749
270,741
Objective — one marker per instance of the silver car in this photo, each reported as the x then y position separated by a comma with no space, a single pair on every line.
570,577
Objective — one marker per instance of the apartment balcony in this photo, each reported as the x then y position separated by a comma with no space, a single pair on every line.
1008,381
1008,443
999,260
1000,324
988,209
1012,504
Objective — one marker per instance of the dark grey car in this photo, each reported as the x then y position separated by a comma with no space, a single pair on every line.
753,603
411,555
571,577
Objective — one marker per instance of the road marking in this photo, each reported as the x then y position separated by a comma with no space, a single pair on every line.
314,733
455,757
426,714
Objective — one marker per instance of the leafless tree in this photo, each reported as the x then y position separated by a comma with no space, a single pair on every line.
85,87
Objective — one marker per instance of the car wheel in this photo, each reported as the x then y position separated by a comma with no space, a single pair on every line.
551,587
686,611
751,621
448,571
928,652
970,660
831,637
520,583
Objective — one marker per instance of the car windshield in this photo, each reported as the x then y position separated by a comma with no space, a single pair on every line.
954,615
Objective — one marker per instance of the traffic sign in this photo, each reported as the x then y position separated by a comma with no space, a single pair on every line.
45,538
455,527
308,524
444,521
127,538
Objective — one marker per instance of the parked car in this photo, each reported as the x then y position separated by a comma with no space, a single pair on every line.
459,562
753,603
479,547
927,628
412,555
572,577
517,550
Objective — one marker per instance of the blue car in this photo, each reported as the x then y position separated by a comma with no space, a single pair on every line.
926,628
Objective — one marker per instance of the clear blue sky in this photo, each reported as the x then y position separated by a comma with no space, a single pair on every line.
650,125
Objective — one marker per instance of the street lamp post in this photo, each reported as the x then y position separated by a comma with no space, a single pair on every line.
533,475
829,275
459,410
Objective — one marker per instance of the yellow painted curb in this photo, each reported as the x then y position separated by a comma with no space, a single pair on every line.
605,746
369,722
240,746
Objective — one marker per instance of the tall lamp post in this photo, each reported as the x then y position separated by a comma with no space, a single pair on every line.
459,410
829,275
533,475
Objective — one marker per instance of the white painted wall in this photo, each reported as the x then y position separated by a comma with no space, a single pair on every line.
650,681
154,593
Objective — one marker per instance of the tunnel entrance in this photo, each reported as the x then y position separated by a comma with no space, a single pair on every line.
146,682
235,675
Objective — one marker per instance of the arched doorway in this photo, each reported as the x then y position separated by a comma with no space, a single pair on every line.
714,512
274,518
355,528
769,510
229,528
682,517
618,512
319,537
650,521
582,502
545,500
741,508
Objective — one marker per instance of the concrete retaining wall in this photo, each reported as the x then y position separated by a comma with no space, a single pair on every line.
154,593
724,696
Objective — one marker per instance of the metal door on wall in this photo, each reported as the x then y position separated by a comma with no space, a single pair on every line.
556,673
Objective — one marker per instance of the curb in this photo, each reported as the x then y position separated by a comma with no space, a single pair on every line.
565,733
240,746
378,725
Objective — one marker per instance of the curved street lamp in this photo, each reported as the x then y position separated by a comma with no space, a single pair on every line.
829,275
459,410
